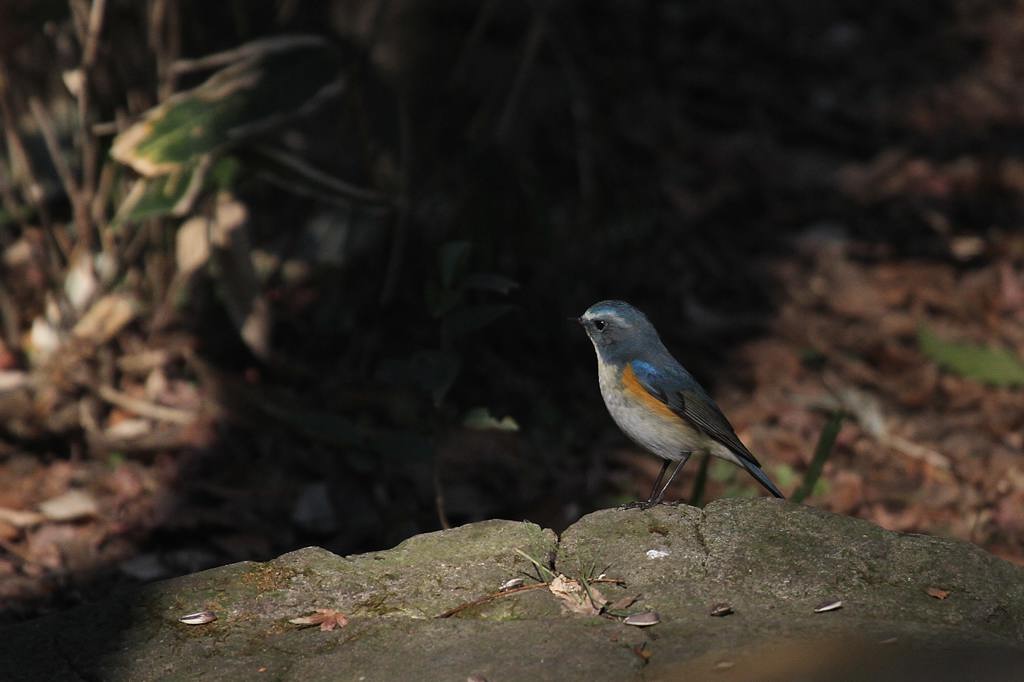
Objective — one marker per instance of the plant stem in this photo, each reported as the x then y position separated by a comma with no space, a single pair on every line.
822,450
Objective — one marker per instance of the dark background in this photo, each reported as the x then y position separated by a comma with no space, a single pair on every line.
790,190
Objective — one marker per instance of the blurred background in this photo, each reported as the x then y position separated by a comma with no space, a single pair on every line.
286,272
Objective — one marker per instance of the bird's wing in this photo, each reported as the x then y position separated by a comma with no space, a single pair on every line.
685,397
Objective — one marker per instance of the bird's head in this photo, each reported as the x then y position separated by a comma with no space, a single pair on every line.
618,330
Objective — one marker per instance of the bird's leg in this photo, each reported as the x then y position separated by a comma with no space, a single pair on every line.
657,481
672,477
650,499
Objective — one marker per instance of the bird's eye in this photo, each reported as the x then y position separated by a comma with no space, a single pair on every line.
599,325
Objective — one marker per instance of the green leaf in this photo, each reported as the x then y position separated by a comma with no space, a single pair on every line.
822,451
266,83
985,364
175,193
481,419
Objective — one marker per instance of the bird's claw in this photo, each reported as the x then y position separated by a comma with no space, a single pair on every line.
640,504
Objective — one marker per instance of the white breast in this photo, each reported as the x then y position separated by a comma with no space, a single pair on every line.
667,438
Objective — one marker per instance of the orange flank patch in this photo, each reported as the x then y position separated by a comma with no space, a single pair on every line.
635,390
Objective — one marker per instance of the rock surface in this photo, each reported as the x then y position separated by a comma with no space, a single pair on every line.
771,561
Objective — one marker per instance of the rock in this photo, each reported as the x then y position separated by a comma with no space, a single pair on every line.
771,561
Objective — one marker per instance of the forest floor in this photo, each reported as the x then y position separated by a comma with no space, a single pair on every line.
866,166
921,449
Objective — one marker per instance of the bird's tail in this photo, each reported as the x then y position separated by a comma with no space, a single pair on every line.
762,478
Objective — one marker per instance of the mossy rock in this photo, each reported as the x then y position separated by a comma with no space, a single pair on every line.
771,561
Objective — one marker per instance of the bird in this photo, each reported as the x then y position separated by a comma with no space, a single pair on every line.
655,401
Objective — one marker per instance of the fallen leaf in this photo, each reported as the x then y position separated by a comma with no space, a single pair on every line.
80,283
327,619
721,609
72,505
511,584
8,531
239,283
21,518
192,245
106,318
575,598
11,380
937,592
126,429
43,339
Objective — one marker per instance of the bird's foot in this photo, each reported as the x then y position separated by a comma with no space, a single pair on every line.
639,504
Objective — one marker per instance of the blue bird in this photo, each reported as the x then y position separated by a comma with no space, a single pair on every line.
656,402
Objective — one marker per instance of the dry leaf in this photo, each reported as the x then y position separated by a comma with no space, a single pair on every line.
575,598
72,505
936,592
192,245
327,619
42,339
20,518
80,283
127,429
106,318
8,531
12,380
240,287
721,609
